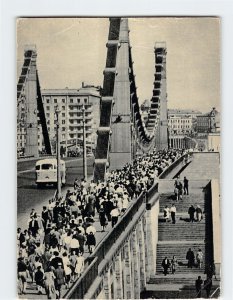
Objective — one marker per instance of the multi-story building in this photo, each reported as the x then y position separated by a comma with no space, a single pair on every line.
209,122
70,103
181,122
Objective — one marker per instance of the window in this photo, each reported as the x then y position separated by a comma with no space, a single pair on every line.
78,100
63,114
48,122
71,101
63,136
47,100
63,129
47,107
55,122
85,100
63,100
63,107
55,101
63,122
47,115
47,167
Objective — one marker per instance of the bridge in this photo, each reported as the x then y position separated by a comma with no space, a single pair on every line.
126,263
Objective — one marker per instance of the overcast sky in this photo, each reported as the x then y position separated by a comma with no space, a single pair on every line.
72,50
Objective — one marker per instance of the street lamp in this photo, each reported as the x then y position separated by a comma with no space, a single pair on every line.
84,145
57,112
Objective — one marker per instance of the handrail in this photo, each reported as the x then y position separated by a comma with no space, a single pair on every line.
171,167
214,292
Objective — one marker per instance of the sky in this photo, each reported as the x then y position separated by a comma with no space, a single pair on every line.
73,50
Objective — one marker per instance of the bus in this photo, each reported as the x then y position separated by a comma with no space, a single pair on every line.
46,172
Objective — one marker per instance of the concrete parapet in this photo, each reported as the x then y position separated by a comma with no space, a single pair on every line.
216,220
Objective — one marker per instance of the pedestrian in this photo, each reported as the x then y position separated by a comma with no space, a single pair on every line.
33,225
102,218
174,264
67,269
180,190
208,286
191,212
191,258
114,214
166,213
173,213
165,265
22,275
91,242
59,279
186,186
79,268
199,258
199,213
76,184
49,278
198,285
39,279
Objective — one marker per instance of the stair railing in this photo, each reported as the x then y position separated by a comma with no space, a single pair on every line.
214,292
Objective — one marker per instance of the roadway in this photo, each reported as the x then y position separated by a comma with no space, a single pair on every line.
29,196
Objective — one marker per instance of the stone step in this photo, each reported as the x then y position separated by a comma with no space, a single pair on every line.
188,292
181,230
177,249
181,278
181,269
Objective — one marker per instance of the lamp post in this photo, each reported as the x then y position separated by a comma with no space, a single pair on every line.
57,112
84,146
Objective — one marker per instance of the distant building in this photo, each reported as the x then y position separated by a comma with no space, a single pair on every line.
209,122
70,102
181,122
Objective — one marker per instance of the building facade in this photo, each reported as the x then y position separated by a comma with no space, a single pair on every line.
70,103
209,122
181,122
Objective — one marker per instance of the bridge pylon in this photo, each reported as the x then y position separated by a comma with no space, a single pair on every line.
30,105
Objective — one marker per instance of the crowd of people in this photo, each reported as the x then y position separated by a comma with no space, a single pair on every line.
51,250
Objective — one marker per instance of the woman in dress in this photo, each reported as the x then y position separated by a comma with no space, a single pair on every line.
79,264
67,269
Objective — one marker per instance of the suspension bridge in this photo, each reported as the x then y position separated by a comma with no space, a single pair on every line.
127,262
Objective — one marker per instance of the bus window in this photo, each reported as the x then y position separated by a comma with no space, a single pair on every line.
47,167
38,167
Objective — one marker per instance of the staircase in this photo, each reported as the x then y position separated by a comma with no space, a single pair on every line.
176,239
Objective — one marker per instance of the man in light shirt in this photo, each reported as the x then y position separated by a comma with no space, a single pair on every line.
173,213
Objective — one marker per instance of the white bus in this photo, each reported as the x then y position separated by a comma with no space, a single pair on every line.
46,171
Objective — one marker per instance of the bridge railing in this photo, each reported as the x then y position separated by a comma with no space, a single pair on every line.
80,287
172,166
83,284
